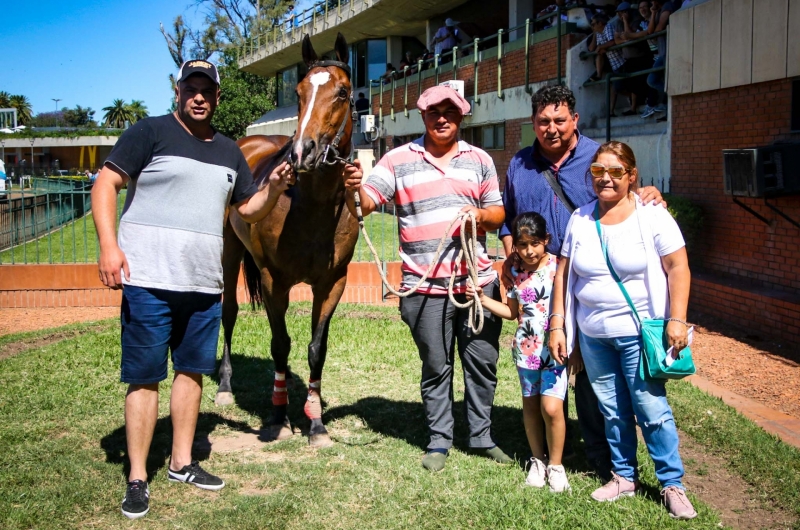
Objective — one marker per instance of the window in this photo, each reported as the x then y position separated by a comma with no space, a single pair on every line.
488,137
287,84
376,58
795,117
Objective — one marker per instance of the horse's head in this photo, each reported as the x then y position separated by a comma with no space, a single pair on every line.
325,106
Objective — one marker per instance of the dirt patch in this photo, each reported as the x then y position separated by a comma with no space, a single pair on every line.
16,347
745,361
20,320
708,478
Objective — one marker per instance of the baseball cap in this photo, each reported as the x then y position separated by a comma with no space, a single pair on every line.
437,94
450,22
198,66
624,6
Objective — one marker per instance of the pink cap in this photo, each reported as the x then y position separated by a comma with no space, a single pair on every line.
437,94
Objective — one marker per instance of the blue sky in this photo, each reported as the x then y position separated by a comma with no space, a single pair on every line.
89,52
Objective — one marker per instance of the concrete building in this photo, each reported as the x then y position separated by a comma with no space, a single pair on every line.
731,79
78,152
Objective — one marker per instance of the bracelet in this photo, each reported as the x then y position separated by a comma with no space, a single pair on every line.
555,329
677,320
555,315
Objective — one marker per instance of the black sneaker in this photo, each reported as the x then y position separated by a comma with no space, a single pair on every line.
137,500
197,476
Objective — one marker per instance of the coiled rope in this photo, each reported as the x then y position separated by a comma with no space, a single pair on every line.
469,247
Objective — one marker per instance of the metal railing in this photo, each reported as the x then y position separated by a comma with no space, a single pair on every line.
440,63
47,223
610,77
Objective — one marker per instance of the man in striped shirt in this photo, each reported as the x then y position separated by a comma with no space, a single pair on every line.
430,181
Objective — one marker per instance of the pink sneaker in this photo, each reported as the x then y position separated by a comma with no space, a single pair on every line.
678,504
615,488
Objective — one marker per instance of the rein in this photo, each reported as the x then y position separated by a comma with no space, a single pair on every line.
469,251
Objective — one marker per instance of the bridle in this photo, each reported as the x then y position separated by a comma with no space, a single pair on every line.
331,156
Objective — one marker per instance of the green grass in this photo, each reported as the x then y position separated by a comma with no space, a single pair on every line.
62,444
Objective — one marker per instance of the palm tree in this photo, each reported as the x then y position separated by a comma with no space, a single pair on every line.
23,106
138,109
117,114
5,98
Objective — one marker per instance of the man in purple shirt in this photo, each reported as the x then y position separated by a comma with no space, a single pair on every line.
567,154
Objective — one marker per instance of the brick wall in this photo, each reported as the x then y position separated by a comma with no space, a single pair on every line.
736,243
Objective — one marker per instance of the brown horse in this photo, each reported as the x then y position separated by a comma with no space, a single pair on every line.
309,237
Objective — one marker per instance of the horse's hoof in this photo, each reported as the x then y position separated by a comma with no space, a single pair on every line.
275,433
223,399
320,441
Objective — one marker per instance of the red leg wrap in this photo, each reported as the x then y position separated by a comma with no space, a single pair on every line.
313,407
279,394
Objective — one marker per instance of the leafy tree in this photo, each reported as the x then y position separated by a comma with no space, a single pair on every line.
23,106
138,110
47,119
79,116
117,114
5,99
244,98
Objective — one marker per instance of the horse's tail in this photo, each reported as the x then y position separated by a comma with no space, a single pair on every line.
252,279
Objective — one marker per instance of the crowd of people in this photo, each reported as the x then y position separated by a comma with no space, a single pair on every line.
633,21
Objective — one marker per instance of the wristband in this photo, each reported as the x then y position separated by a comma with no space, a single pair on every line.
555,329
555,315
678,320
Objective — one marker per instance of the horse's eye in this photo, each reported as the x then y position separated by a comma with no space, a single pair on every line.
342,93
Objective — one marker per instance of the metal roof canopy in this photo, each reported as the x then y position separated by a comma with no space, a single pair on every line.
384,18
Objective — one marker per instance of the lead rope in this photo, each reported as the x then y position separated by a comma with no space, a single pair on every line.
468,251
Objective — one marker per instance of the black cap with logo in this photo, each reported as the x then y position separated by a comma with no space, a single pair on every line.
198,66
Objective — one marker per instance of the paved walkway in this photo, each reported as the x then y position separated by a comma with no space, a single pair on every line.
774,422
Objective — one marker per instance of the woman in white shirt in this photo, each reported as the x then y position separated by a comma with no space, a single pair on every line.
647,251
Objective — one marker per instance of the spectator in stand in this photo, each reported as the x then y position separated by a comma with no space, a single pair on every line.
390,72
604,39
424,56
659,20
402,71
636,29
637,57
362,104
448,36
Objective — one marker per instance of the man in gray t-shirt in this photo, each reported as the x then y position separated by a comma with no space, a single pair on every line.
181,176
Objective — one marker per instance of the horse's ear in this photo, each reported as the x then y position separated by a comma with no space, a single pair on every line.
309,55
342,51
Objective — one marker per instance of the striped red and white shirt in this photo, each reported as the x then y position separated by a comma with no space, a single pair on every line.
426,202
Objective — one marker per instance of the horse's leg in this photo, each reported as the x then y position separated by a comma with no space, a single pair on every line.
276,300
326,297
232,252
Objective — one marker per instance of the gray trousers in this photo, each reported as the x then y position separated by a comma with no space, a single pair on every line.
437,326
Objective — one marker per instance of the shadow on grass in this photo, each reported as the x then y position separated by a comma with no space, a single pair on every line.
115,446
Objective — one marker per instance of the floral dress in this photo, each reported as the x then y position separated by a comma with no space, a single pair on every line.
532,291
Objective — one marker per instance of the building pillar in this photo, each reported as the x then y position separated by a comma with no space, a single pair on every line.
394,50
518,11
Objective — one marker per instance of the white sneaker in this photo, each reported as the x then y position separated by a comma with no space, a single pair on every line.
557,479
648,111
537,474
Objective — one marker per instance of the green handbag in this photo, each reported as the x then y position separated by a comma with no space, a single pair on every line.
653,361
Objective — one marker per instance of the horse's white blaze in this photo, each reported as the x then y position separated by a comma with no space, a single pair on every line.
316,80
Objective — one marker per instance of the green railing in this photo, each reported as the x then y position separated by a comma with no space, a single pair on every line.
48,222
440,64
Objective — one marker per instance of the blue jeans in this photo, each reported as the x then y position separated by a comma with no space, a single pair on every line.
613,369
656,79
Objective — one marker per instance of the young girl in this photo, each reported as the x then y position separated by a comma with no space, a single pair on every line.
543,380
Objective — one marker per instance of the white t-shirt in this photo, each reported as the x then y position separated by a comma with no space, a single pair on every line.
602,311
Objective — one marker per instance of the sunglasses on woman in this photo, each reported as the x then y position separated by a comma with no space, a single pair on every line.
615,172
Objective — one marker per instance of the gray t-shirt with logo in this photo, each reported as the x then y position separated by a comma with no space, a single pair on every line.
171,225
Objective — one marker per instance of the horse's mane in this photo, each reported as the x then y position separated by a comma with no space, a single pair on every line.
267,165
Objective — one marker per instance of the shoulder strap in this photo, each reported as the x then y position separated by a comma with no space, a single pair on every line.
559,191
608,262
